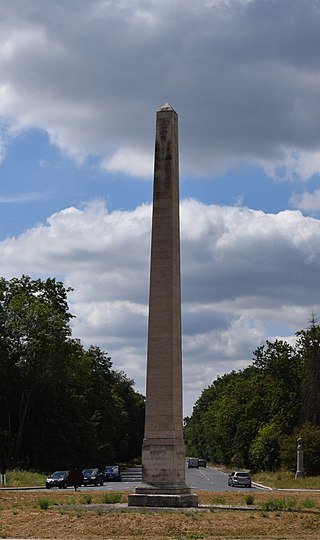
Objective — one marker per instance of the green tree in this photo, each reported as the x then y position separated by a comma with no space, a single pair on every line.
61,405
242,416
308,346
310,436
34,320
264,450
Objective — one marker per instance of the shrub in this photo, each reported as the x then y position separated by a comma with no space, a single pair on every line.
43,503
249,499
218,500
86,499
112,498
308,503
272,505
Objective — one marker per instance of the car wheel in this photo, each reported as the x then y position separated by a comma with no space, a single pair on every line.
65,485
47,487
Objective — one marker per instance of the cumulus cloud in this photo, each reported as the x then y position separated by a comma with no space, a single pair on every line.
91,74
245,274
306,201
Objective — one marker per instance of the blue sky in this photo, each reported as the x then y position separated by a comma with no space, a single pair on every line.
38,179
80,84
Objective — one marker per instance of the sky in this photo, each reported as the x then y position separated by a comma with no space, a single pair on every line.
80,84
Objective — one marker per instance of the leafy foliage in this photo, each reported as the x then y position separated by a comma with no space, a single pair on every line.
253,418
61,405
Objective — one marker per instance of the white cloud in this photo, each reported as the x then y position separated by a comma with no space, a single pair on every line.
22,198
245,274
306,201
91,74
295,165
131,162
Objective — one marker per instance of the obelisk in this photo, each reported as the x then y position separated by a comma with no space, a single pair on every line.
163,451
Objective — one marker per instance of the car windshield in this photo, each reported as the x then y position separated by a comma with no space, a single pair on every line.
89,471
242,474
58,474
111,469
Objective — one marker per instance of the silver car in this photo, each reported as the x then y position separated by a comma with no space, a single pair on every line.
239,478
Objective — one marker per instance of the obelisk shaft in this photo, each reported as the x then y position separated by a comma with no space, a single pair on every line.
163,448
163,452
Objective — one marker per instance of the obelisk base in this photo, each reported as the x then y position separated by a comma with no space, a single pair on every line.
163,496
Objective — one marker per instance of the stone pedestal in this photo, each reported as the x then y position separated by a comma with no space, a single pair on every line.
163,453
300,471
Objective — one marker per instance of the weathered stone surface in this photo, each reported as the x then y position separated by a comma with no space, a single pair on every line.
164,501
163,452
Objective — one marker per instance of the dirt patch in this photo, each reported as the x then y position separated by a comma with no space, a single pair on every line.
22,517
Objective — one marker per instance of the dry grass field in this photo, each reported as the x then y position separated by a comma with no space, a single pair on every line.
70,515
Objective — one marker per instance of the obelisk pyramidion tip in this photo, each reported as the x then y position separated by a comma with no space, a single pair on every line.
166,107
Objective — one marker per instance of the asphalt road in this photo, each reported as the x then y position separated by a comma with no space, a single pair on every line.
211,479
202,479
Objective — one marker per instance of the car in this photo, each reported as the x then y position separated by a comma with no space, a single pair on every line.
92,476
202,462
193,463
112,473
239,478
58,479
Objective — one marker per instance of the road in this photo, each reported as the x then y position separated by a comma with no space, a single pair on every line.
202,479
211,479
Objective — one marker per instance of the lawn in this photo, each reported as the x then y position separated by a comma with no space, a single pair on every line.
91,515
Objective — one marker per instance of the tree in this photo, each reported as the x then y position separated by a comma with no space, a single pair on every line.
310,436
242,416
264,450
61,405
308,346
34,321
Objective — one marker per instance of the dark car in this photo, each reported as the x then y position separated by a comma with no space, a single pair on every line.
112,473
193,463
239,478
58,479
92,476
202,462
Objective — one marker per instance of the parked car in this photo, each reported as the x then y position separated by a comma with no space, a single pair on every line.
58,479
193,462
112,473
202,462
239,478
92,476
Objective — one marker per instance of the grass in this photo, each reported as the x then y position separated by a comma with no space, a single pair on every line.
218,500
274,504
271,517
308,503
86,498
21,478
286,480
113,498
43,503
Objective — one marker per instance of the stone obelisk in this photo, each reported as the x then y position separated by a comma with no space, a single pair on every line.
163,451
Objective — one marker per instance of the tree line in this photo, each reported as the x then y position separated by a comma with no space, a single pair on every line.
61,405
252,418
